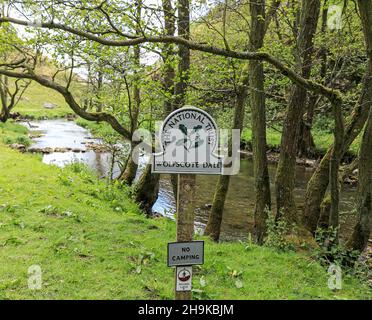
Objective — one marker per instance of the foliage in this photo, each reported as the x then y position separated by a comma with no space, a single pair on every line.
277,230
14,133
330,250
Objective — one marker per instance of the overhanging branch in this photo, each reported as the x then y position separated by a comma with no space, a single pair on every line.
99,116
333,95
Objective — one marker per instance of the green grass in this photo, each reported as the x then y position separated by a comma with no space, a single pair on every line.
323,140
99,129
11,132
32,103
92,242
273,137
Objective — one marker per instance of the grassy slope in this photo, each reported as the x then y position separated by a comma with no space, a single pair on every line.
32,103
323,140
92,242
10,133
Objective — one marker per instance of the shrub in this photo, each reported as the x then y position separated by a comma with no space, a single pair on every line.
277,230
23,140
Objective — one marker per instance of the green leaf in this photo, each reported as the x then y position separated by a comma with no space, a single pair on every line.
183,128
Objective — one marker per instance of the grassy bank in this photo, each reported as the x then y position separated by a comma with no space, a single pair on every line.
32,104
91,241
322,139
12,133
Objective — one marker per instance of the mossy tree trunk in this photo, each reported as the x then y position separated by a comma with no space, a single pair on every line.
306,145
258,109
335,166
130,171
260,21
285,175
129,174
213,227
180,87
362,230
4,112
146,189
318,184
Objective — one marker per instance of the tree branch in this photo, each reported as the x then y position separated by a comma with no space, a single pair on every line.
90,116
333,95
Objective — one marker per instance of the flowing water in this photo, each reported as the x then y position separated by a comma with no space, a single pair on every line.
238,214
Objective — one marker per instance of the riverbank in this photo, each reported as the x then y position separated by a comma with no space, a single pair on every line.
39,103
322,139
92,242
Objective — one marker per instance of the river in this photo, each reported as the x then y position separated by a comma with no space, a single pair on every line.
238,214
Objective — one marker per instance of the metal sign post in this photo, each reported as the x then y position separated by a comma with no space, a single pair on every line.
189,140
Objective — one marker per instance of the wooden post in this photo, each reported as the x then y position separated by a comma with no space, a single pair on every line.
185,218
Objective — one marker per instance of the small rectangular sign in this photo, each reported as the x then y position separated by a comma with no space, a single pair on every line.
184,278
185,253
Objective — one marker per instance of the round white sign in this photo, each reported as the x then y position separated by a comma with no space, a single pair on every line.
189,138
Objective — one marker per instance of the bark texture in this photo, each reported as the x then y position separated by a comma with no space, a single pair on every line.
319,181
362,230
306,144
258,109
146,189
130,171
213,228
285,175
335,166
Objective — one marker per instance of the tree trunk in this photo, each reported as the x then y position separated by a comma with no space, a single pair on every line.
259,25
168,54
258,108
362,230
213,228
335,166
146,189
4,112
130,171
285,175
306,143
325,209
318,183
99,104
